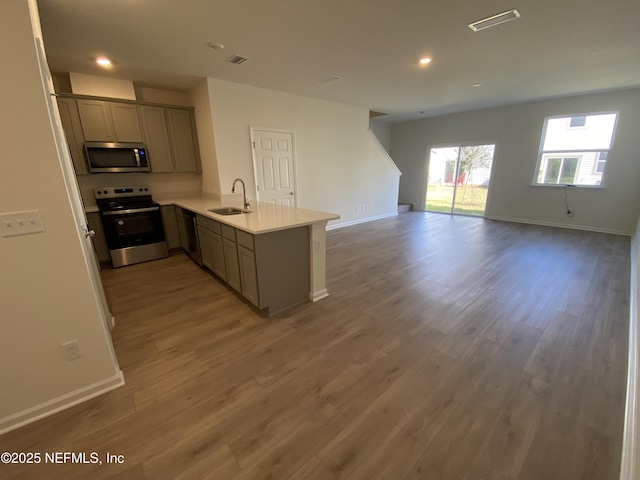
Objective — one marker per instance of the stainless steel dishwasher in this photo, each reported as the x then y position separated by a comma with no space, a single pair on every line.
191,228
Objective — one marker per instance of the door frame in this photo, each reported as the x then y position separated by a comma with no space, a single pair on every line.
468,143
75,201
294,162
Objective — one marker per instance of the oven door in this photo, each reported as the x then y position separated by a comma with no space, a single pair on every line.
132,227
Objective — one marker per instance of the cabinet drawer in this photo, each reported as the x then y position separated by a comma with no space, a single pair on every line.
229,232
202,221
245,239
215,226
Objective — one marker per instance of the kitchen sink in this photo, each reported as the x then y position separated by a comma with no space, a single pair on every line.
227,211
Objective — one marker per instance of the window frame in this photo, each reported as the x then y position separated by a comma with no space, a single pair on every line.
599,161
575,153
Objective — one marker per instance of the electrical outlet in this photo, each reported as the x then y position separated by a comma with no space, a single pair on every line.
72,350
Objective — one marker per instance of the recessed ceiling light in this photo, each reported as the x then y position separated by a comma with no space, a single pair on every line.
477,85
425,60
103,62
216,46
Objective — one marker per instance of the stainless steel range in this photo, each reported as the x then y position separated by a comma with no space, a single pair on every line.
132,224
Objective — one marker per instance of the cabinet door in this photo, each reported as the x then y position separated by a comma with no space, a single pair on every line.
183,140
231,261
156,138
73,133
204,238
126,123
248,275
182,231
217,256
170,226
97,124
99,241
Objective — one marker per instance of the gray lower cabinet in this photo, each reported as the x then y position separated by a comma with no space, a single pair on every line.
271,270
170,222
230,248
248,274
204,240
217,253
283,268
99,240
182,231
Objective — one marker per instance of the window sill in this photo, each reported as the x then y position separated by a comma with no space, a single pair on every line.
572,185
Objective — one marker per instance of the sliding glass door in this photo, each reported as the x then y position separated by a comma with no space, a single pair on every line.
458,180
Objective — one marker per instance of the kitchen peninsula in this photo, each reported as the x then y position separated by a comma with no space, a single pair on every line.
274,255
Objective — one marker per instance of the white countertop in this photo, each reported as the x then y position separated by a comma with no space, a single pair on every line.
263,218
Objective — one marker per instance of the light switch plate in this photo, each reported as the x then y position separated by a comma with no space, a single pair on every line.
20,223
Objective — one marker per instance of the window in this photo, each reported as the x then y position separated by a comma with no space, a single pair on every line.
574,149
602,159
577,122
560,170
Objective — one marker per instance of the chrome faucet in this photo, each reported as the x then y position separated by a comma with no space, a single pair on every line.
244,191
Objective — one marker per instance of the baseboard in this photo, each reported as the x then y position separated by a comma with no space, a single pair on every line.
315,296
560,225
56,405
361,220
628,465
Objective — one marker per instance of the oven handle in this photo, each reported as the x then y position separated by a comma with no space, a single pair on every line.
132,210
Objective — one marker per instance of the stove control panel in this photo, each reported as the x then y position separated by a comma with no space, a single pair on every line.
119,192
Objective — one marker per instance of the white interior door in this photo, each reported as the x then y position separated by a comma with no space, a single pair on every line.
73,191
274,166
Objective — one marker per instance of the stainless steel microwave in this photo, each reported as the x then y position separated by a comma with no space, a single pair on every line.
109,157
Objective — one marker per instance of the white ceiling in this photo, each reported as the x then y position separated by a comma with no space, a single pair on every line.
556,48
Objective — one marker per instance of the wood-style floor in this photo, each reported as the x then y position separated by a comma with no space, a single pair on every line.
450,348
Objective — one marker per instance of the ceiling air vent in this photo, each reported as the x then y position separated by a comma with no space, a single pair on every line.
237,59
494,20
328,80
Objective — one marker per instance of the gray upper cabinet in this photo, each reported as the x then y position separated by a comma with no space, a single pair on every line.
126,122
169,133
97,124
73,132
183,139
109,121
156,138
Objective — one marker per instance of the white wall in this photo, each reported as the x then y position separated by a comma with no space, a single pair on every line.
517,129
45,286
340,168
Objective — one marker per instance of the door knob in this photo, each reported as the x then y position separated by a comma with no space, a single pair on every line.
292,193
89,233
